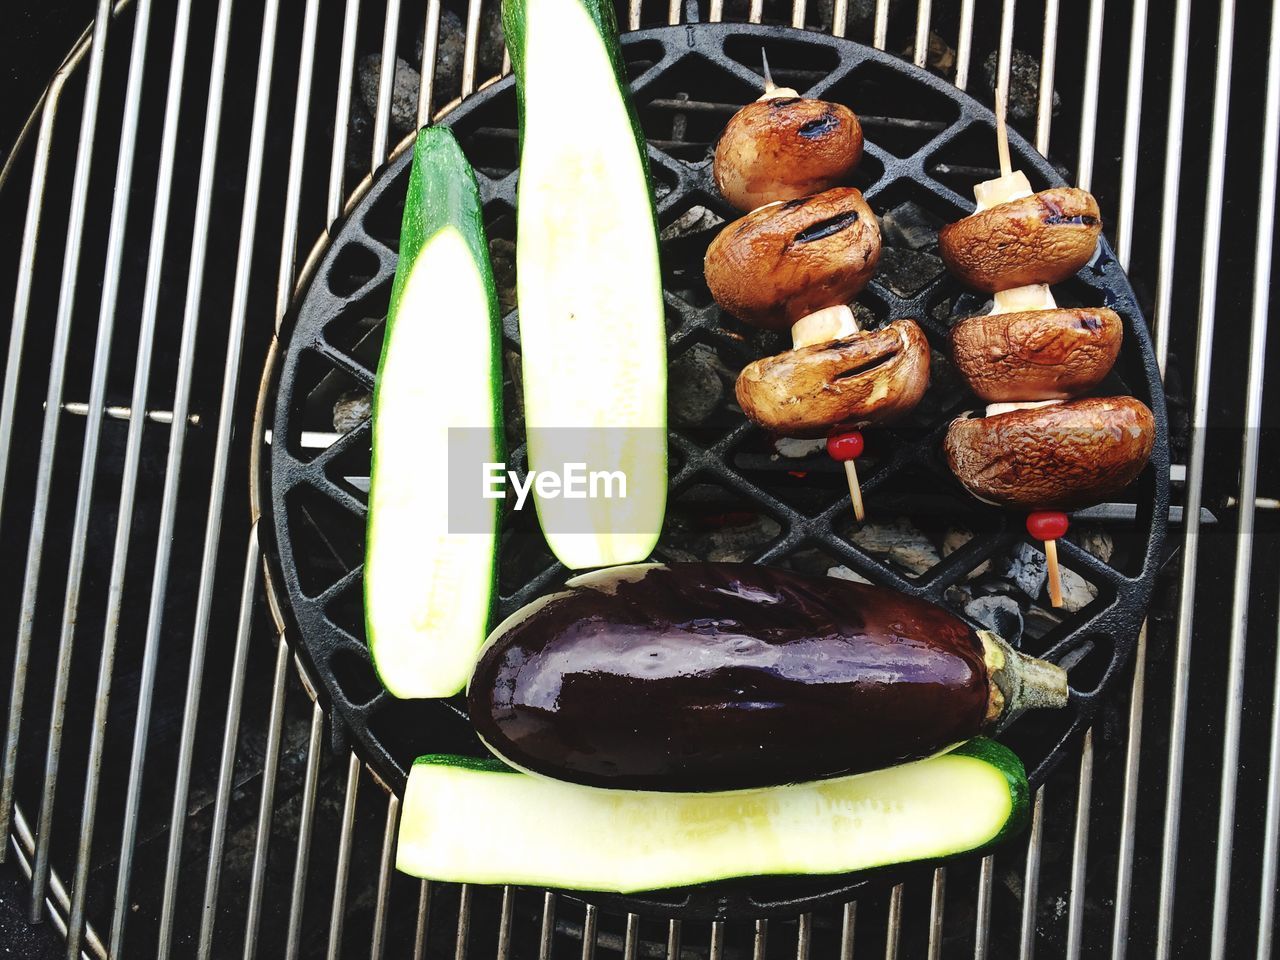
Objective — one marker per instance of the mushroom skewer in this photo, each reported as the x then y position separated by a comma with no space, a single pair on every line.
1027,355
784,146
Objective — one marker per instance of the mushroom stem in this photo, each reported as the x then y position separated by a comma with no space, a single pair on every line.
771,89
823,326
1055,576
855,490
1033,296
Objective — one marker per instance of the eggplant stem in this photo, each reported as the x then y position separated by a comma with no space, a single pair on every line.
1020,682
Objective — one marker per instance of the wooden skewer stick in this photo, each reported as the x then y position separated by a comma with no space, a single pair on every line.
1049,526
847,447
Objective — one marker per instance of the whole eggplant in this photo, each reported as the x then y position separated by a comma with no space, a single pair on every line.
716,676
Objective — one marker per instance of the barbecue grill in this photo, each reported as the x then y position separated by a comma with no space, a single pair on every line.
213,806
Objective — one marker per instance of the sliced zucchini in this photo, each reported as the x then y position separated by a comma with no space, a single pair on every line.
622,841
429,592
592,328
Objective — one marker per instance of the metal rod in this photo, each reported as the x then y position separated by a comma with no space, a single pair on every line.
230,382
937,903
471,48
342,112
964,45
338,909
386,83
1048,61
230,735
1004,63
673,12
633,13
839,18
57,372
798,10
89,452
1271,827
1129,803
631,939
1132,124
464,922
1031,880
1169,206
306,821
673,940
430,44
924,12
982,922
881,36
1089,96
382,903
136,414
756,11
546,933
848,929
504,924
590,922
804,936
424,920
716,13
893,924
1080,850
1194,493
266,803
1237,645
760,940
173,464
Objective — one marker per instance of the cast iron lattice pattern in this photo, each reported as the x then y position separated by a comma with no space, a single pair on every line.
925,141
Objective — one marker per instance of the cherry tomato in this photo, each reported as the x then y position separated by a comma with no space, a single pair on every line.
1047,524
845,446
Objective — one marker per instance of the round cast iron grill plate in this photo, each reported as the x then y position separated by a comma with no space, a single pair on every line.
927,143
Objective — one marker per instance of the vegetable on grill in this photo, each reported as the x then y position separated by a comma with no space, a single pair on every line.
476,821
1052,456
786,260
707,676
592,318
429,591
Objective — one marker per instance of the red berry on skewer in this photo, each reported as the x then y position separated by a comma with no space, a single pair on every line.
846,447
1050,526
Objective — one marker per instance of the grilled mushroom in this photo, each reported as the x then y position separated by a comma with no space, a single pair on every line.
1055,456
786,260
1042,238
1036,354
782,148
861,379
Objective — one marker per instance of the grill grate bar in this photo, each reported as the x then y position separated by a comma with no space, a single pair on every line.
386,81
1195,473
982,928
937,904
1048,62
1080,849
1172,179
173,465
964,45
804,936
338,912
893,926
924,11
266,803
230,739
464,923
56,900
503,951
218,476
49,430
549,928
1234,698
1031,880
1129,803
631,939
430,43
760,940
424,918
384,878
342,109
306,823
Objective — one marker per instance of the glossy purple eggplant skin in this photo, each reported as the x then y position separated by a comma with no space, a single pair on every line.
709,676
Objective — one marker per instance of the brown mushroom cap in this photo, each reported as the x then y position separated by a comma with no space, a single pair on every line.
1036,354
786,260
785,147
869,378
1052,458
1043,238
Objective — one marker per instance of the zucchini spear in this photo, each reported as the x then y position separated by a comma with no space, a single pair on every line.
592,321
429,592
476,821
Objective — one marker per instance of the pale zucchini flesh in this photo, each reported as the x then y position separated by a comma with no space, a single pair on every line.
471,821
429,592
592,322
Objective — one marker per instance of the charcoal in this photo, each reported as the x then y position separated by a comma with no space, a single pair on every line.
697,388
404,91
1000,614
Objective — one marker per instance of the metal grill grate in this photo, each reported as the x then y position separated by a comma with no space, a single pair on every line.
209,776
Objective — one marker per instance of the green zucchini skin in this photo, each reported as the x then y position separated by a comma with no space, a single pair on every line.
592,317
628,841
442,198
